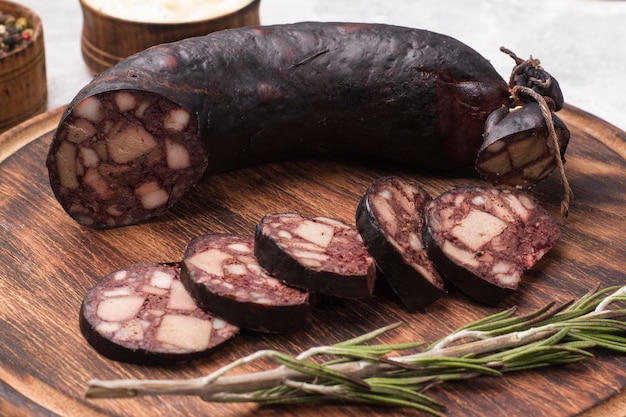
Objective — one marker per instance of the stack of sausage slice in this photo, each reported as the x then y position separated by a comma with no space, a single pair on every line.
478,239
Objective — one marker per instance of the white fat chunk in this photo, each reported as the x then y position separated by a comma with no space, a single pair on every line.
319,256
117,292
386,194
284,234
517,206
177,119
331,222
240,247
128,144
125,101
185,332
386,216
120,308
94,180
219,324
235,269
177,155
120,275
310,263
210,261
90,157
65,158
130,331
318,233
152,195
180,298
141,110
149,289
161,279
415,242
80,130
109,327
459,255
90,109
479,200
502,267
478,228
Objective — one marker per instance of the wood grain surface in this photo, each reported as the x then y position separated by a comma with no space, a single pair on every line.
48,262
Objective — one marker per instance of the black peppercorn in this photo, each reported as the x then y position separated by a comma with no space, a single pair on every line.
15,33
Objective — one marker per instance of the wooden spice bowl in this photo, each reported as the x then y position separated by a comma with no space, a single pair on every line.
108,38
23,85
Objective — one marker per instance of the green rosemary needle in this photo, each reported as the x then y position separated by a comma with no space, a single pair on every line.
378,374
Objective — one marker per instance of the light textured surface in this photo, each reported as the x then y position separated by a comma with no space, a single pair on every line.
581,42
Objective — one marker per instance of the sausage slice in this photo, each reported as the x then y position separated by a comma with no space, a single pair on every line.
482,239
223,276
320,254
142,314
390,217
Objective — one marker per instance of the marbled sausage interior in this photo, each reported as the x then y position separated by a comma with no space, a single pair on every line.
143,314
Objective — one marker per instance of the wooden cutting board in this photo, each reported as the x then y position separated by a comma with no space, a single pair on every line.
47,263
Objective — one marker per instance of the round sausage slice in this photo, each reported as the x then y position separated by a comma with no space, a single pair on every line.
223,276
390,217
319,254
483,239
142,314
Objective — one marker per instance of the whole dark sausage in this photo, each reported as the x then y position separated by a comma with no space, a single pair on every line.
141,134
142,314
482,239
319,254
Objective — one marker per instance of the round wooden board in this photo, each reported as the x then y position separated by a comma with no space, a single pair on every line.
47,263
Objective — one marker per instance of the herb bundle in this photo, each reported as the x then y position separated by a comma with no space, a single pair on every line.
358,371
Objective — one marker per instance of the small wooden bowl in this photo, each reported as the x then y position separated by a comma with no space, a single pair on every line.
107,39
23,84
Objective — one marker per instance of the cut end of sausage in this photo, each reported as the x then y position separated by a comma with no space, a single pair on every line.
121,157
517,150
483,239
390,217
318,254
223,276
142,314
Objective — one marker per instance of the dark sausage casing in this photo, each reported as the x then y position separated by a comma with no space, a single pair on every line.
141,134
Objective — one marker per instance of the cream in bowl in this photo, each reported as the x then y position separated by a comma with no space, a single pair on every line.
168,11
115,29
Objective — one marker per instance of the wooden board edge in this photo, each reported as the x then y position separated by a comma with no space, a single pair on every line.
611,136
21,135
614,406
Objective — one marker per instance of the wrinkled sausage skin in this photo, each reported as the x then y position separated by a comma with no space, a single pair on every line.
250,95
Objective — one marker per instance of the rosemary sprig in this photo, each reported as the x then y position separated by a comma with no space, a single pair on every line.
377,374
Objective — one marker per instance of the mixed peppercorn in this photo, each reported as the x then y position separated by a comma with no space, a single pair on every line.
15,33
